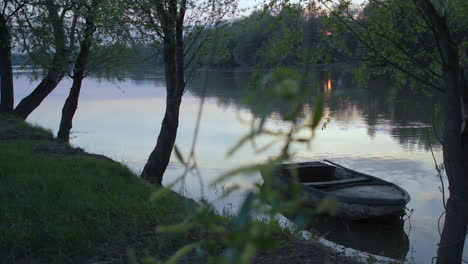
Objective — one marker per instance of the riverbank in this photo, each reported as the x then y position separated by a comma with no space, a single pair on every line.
60,204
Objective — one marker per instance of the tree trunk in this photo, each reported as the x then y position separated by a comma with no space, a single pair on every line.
455,144
456,166
160,156
55,72
6,71
35,98
456,163
71,104
172,23
69,109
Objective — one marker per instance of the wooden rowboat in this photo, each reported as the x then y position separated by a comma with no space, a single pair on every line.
358,196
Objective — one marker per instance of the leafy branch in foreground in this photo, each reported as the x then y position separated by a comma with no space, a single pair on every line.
245,234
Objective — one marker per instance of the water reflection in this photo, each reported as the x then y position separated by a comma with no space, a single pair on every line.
409,119
327,88
383,239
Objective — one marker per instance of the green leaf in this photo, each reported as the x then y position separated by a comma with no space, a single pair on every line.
327,205
181,253
240,143
248,254
230,190
244,216
266,147
229,256
179,154
159,194
318,112
231,173
179,228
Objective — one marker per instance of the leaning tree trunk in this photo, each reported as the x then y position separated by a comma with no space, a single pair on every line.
69,109
160,156
6,71
55,72
172,21
455,146
71,104
45,87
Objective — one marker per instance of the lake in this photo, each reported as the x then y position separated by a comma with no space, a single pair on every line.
121,119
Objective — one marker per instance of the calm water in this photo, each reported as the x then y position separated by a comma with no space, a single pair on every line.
121,119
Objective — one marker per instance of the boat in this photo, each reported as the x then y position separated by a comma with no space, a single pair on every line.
357,196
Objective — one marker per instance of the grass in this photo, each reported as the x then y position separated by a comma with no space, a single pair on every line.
12,128
63,208
59,204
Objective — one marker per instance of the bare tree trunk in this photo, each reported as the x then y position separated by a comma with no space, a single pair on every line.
69,109
456,166
55,72
45,87
172,21
455,140
6,71
160,156
71,104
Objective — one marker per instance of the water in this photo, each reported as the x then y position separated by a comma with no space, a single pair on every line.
121,119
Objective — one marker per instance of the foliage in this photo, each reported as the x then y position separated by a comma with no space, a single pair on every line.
248,236
34,35
395,40
276,36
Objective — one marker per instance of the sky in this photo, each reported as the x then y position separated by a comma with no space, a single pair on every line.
250,5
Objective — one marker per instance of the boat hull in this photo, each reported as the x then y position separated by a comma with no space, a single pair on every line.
350,205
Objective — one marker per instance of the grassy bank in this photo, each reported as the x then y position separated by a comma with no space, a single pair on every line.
60,204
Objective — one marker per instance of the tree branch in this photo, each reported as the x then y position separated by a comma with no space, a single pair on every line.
397,45
420,79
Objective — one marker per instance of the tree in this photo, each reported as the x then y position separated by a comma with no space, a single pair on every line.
7,98
47,32
167,19
26,29
431,26
49,16
100,25
71,103
456,133
9,9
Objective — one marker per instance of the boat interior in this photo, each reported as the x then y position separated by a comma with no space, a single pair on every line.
337,180
321,175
